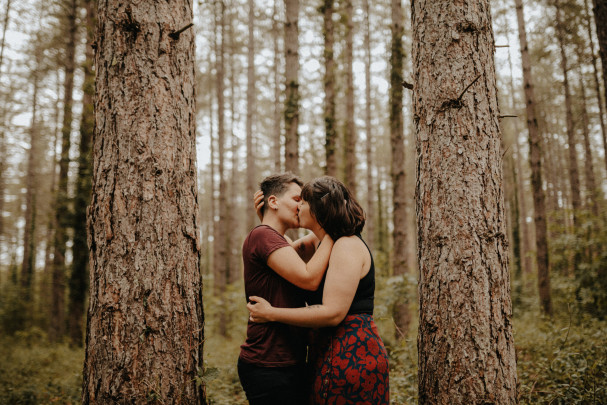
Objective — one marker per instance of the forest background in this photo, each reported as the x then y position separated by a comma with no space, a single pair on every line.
245,112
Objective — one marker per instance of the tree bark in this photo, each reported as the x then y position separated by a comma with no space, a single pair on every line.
78,282
535,164
600,16
465,342
574,176
291,111
57,324
597,85
29,244
329,85
370,222
402,317
350,136
251,93
145,327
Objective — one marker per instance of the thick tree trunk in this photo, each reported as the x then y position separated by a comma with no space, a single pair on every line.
145,328
57,324
350,136
465,342
402,317
29,245
251,94
291,111
370,223
574,176
329,84
78,282
597,85
535,163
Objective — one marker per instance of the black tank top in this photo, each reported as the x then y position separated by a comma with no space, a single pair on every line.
364,296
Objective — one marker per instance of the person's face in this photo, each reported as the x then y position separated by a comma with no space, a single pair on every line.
306,219
288,206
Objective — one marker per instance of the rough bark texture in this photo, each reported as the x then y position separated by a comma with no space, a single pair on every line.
251,94
401,314
465,342
145,328
78,282
595,71
57,324
350,137
292,86
329,83
370,222
574,176
535,163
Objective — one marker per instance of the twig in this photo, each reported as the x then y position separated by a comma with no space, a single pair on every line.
507,116
400,332
459,99
175,35
407,85
502,46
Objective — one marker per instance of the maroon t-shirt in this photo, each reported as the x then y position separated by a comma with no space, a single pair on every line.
270,344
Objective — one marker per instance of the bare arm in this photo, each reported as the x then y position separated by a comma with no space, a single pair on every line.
287,263
345,269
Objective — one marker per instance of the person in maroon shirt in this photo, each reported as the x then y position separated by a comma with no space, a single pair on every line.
271,361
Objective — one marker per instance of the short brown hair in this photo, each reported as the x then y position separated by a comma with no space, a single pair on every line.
334,207
276,185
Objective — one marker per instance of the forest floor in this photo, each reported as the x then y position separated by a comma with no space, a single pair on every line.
560,360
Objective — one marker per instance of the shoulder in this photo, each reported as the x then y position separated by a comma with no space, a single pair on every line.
349,244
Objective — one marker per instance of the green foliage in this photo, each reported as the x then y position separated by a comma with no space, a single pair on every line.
32,372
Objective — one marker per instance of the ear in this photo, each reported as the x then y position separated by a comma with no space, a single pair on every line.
273,202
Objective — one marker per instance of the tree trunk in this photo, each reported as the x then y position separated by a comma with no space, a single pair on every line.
251,94
600,16
220,238
4,28
574,177
370,222
535,163
597,84
145,328
277,105
57,324
78,282
292,86
29,230
591,188
350,137
329,85
402,317
465,342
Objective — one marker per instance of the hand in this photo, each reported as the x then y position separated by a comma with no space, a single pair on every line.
258,203
259,309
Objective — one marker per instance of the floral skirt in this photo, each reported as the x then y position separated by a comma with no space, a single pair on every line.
349,364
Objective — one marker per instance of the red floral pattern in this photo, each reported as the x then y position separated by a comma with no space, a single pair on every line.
349,364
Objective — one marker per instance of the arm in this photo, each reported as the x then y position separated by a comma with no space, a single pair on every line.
343,276
287,263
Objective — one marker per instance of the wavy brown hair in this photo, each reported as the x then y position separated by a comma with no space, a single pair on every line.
334,207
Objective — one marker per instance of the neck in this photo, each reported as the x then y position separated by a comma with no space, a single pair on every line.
271,220
318,231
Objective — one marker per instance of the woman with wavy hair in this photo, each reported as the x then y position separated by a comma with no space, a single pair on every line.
349,364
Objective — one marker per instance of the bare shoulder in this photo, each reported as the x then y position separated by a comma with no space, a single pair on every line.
349,245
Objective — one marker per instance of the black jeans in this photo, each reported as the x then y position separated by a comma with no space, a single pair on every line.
273,385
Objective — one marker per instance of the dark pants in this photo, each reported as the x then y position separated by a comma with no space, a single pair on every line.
273,385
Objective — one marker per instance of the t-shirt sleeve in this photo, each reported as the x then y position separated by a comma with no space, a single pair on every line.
267,241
